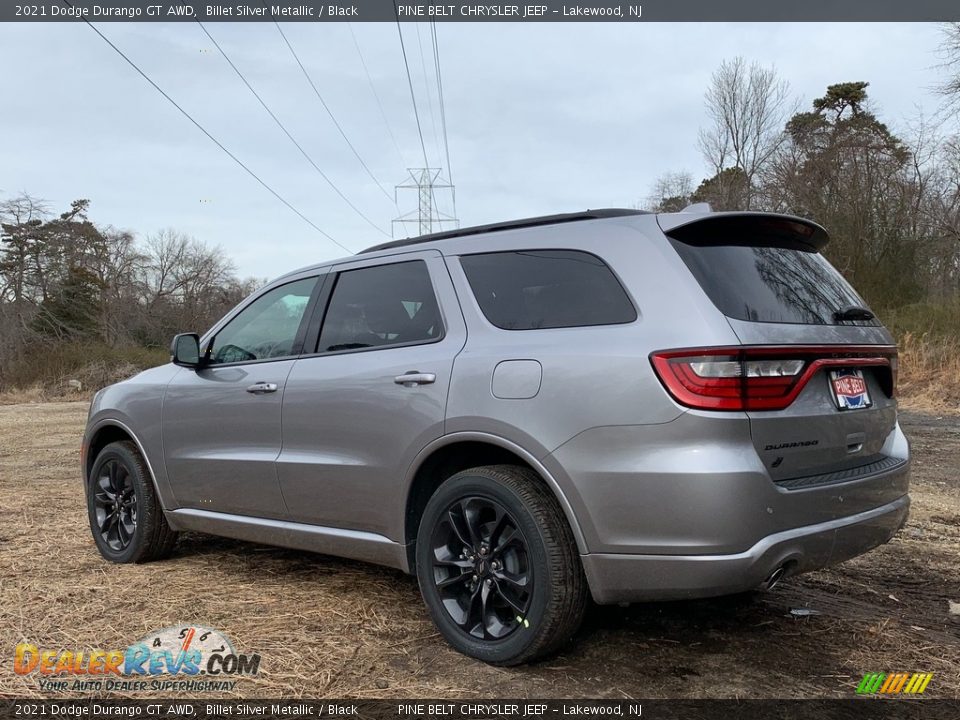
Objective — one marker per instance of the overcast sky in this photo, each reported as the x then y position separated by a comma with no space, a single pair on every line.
541,118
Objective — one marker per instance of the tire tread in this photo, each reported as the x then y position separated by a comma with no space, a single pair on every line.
570,595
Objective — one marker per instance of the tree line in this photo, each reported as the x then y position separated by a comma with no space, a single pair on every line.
891,202
65,280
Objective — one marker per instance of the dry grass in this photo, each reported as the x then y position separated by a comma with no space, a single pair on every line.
930,372
72,370
333,628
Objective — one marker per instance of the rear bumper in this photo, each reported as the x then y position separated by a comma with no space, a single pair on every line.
617,578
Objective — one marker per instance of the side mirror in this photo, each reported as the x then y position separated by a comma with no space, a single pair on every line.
185,350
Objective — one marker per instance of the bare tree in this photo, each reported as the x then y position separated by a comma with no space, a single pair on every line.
671,192
747,106
185,285
950,54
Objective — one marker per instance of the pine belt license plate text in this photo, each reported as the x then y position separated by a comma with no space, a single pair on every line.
849,389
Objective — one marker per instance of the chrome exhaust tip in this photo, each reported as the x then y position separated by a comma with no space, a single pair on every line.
773,578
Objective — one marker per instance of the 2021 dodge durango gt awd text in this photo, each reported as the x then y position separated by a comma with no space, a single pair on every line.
612,404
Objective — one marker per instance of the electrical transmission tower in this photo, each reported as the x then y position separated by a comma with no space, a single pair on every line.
427,216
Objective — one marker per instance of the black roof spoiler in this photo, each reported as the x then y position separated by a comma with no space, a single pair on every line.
743,228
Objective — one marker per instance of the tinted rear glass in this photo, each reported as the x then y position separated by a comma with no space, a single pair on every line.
770,284
538,289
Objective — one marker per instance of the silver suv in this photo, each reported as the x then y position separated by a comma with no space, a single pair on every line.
610,404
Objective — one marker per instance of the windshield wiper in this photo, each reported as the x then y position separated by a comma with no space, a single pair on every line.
853,312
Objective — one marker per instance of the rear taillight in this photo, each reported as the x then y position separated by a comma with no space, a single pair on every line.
758,378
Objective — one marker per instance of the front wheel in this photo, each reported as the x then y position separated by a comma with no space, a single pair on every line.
125,515
498,566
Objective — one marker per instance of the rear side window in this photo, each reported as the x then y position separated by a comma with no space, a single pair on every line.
538,289
770,284
381,306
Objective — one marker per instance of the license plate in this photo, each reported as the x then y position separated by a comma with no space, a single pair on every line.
849,389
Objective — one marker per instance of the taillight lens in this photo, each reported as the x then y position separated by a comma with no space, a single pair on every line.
755,378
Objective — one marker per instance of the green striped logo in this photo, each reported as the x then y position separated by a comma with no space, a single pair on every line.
894,683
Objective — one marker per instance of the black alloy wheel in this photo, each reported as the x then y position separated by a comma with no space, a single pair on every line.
481,568
115,504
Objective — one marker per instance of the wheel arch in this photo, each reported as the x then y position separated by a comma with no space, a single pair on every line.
110,431
449,455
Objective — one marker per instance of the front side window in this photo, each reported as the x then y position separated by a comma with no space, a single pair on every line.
266,328
539,289
381,306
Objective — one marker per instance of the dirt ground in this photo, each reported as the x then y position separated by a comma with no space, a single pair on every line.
333,628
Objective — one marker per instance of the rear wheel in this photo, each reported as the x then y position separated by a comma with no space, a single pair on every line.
498,567
125,515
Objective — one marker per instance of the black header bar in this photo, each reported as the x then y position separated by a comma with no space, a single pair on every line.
533,11
478,709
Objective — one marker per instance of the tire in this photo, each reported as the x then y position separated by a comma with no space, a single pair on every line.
512,589
126,519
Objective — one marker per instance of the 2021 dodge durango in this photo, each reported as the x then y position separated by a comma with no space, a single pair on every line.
614,404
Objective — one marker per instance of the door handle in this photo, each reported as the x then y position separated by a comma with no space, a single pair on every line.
415,378
262,388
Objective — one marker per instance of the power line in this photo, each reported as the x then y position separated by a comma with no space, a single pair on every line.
211,137
287,132
413,97
443,112
376,96
426,89
330,112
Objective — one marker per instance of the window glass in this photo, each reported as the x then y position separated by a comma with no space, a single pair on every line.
533,289
381,305
267,327
770,284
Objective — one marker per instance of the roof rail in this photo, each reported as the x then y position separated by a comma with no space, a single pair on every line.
509,225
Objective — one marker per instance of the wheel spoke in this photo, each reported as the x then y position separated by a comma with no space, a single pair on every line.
517,581
508,598
122,535
471,617
124,479
453,579
114,481
126,526
104,520
112,535
495,625
485,588
501,523
104,493
453,562
463,535
507,536
471,518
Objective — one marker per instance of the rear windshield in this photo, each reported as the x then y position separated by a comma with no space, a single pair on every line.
539,289
771,284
